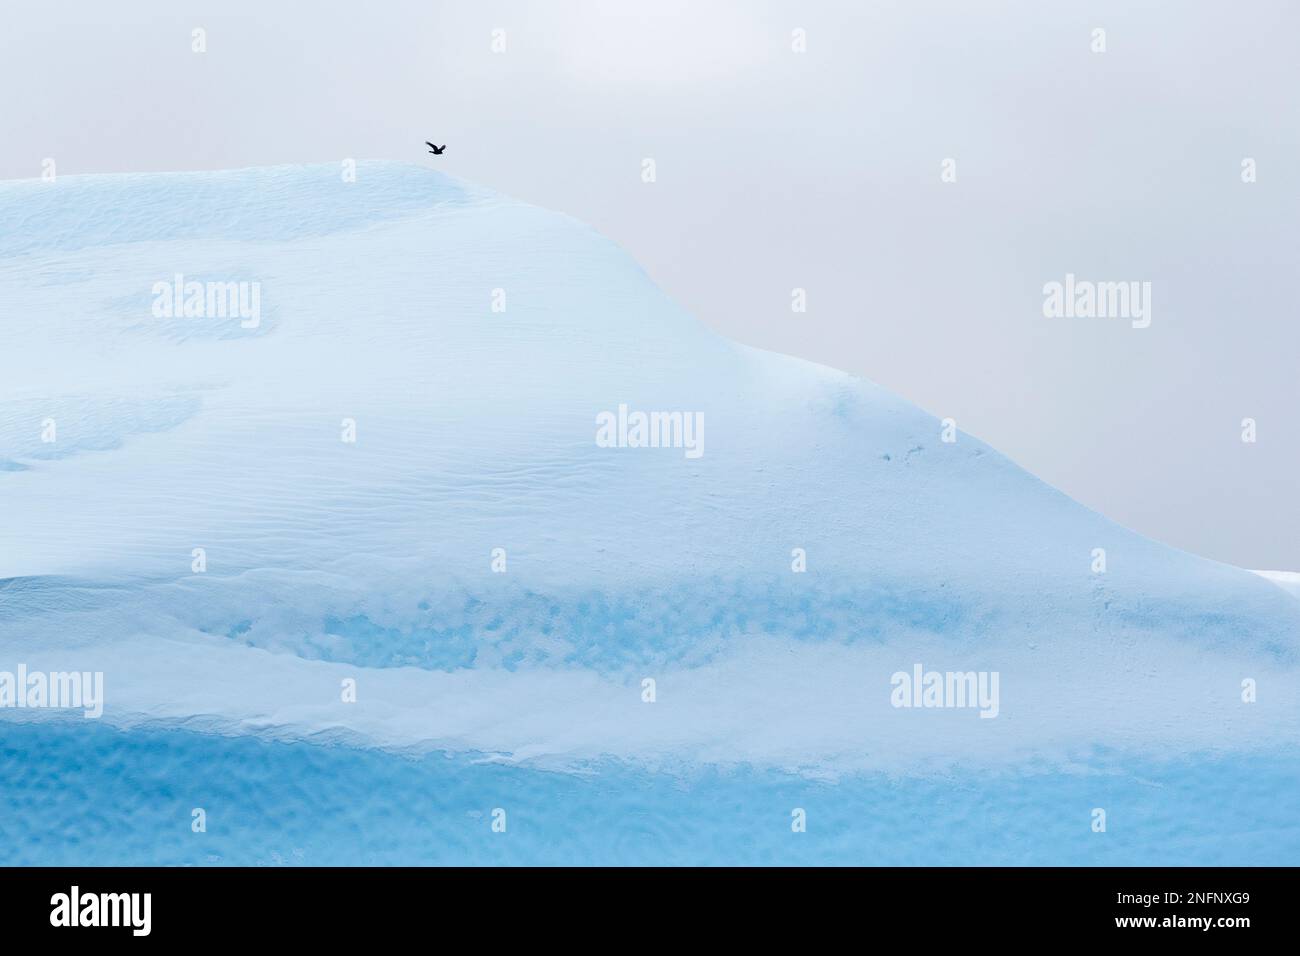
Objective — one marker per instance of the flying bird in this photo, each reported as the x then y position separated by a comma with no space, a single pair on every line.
436,150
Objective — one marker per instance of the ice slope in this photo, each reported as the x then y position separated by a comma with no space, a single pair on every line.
371,561
1288,581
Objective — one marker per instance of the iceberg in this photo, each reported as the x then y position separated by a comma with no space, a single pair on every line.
395,574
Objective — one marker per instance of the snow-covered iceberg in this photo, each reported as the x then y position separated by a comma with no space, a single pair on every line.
342,487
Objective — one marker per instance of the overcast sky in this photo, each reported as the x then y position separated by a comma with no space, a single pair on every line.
818,170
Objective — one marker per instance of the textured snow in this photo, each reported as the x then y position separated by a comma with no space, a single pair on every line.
328,560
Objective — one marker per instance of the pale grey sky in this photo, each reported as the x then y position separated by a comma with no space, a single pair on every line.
818,170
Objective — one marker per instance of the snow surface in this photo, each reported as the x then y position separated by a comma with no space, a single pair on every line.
1287,580
328,560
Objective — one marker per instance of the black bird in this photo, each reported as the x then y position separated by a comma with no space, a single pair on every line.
436,150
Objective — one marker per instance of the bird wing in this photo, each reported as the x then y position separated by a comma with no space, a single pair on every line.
430,145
